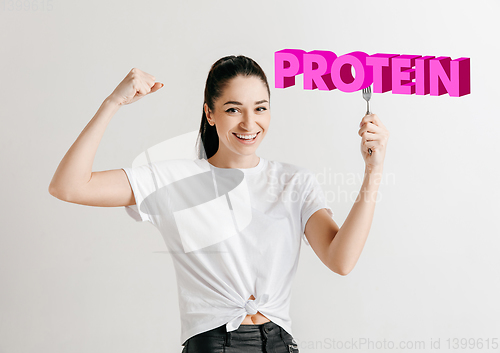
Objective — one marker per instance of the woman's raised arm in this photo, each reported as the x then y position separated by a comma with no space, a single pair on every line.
74,180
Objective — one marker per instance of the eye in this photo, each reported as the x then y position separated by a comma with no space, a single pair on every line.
263,108
231,110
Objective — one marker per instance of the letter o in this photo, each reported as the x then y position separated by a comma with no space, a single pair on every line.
341,73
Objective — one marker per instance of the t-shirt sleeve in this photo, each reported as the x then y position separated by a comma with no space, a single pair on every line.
314,200
143,181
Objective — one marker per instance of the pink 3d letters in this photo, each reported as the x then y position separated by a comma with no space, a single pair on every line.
382,71
401,74
288,64
317,68
341,72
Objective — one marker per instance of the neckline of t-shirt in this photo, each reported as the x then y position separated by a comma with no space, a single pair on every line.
256,169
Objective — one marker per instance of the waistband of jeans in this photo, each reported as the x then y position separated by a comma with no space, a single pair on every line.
269,327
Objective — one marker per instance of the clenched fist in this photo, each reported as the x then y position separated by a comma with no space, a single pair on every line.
374,136
134,86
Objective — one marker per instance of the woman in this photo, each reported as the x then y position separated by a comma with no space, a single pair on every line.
232,220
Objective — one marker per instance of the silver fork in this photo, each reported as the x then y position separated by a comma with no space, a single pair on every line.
367,94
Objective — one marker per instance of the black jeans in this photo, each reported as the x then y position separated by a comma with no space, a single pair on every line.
263,338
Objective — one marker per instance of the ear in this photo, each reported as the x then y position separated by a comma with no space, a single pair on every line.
208,114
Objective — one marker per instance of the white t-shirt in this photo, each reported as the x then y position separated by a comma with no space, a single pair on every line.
232,233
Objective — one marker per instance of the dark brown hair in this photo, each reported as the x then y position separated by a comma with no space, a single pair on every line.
221,72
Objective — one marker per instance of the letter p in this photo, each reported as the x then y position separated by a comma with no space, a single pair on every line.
287,64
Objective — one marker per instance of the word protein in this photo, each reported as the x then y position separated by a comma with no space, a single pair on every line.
403,74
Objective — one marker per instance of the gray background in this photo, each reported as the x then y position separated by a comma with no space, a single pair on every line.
87,279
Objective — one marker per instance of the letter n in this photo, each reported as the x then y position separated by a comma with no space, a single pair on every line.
452,76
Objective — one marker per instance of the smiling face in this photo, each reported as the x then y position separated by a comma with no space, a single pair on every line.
242,109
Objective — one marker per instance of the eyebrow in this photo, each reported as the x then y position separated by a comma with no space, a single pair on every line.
238,103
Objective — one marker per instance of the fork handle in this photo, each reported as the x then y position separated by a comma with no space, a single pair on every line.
368,113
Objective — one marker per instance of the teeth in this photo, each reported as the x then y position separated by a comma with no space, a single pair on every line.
246,137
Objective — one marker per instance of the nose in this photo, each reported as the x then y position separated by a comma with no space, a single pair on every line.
248,121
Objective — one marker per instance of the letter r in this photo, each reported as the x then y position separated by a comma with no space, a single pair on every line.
318,76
